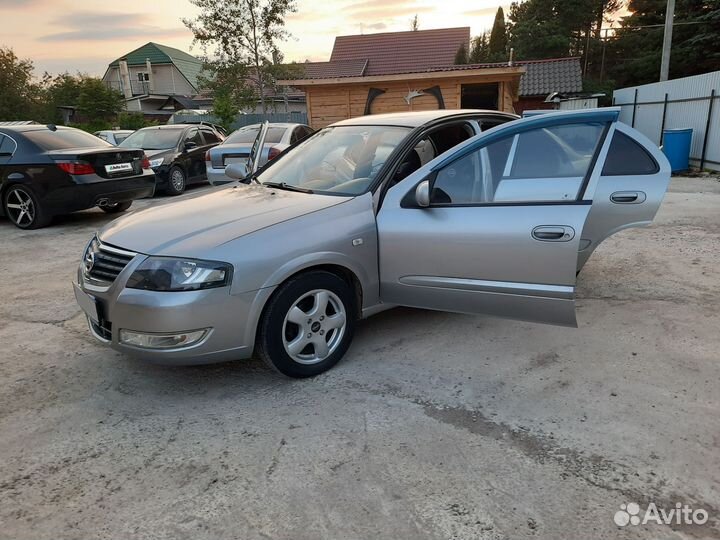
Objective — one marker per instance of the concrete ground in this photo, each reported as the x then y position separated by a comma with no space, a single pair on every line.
435,425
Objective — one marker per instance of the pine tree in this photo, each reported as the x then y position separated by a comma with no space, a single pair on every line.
498,38
461,56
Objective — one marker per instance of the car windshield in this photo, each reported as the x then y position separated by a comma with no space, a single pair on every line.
153,139
342,160
63,138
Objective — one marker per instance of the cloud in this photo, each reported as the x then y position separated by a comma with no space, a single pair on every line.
98,26
485,12
376,26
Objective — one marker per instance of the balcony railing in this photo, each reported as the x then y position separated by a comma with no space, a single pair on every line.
138,88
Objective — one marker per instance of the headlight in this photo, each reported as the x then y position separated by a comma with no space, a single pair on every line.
156,162
169,274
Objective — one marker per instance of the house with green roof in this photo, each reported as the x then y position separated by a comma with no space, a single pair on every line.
156,79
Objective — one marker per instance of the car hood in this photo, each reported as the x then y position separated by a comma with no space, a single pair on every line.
195,226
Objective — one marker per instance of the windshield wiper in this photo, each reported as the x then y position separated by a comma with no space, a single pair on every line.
283,185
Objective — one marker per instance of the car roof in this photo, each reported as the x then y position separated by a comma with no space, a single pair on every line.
272,124
412,119
36,127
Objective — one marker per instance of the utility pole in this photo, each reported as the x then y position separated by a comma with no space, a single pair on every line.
667,41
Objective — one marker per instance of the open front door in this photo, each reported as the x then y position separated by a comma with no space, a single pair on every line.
256,150
496,225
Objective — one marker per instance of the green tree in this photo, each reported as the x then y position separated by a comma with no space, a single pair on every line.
243,33
20,94
98,102
461,56
633,55
498,45
480,50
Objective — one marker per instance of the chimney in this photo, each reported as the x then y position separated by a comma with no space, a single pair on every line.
151,79
510,60
125,79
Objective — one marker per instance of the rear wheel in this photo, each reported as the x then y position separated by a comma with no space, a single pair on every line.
23,208
176,181
308,324
116,208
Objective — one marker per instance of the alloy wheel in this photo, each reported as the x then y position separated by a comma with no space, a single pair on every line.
20,207
178,180
314,326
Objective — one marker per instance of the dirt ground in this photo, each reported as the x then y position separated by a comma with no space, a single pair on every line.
435,425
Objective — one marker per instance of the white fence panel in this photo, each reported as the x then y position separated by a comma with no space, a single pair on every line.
690,101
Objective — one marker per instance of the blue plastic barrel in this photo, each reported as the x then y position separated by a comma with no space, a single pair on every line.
676,146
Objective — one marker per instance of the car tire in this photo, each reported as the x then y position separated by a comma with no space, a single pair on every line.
23,208
304,312
116,208
177,181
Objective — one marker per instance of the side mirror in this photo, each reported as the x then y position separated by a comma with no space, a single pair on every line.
238,171
189,145
422,194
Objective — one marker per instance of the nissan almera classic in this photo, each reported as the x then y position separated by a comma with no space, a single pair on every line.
461,211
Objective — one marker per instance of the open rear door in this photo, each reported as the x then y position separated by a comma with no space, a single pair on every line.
626,188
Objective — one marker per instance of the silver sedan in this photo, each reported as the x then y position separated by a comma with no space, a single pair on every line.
465,211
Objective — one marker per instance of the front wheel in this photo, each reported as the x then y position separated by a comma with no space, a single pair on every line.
307,325
116,208
176,181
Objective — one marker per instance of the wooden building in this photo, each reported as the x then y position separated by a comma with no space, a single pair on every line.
412,71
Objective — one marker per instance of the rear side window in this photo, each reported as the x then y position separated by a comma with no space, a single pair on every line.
209,136
7,146
64,138
627,157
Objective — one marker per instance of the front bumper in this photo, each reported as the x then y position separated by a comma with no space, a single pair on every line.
231,320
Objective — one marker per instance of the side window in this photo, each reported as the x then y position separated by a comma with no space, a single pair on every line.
194,136
626,157
7,146
209,136
299,133
542,165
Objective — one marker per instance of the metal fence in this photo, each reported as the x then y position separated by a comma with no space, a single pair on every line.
244,119
690,102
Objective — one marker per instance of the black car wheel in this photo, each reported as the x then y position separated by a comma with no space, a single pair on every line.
176,181
116,208
307,325
23,209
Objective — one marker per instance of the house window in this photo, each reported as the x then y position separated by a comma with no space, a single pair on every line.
143,76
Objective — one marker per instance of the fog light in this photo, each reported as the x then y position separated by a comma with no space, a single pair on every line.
162,341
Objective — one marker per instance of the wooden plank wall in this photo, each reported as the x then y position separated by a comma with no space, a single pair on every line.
332,103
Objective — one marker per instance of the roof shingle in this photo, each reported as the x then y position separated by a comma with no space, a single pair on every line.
402,52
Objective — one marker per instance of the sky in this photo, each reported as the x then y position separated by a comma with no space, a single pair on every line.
85,36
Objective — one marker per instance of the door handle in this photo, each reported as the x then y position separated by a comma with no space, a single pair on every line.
553,233
628,197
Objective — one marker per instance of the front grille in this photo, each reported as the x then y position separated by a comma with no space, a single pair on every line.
103,329
102,263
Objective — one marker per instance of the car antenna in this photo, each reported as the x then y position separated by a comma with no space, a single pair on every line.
52,127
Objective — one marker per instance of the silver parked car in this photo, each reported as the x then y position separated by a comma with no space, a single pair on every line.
415,209
236,148
114,136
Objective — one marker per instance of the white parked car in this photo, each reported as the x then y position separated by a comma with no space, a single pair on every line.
114,136
236,148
